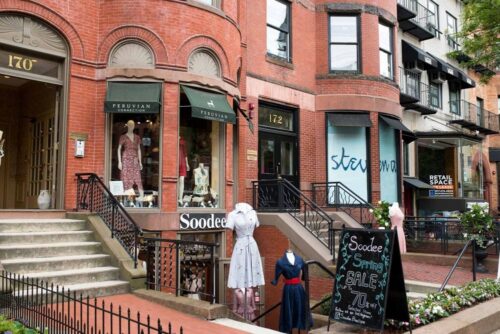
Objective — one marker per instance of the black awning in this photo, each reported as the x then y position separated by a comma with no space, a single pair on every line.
412,53
466,81
416,183
133,97
408,135
494,154
350,119
450,71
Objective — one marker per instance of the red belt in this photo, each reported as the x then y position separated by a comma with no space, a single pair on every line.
291,281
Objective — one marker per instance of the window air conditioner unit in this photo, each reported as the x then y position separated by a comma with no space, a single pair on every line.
414,67
438,77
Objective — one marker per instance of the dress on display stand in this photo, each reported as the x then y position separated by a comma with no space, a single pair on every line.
397,217
295,312
131,170
239,303
245,269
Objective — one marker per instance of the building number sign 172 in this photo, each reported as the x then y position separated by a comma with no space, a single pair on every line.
21,63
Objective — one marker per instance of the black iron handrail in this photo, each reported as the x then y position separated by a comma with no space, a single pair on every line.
280,195
179,265
54,309
93,195
459,257
338,195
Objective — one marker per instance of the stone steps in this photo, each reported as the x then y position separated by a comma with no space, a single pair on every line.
46,250
57,251
45,237
39,225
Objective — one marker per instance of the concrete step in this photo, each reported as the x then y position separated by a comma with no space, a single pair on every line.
422,287
31,213
39,225
74,276
44,237
28,265
415,295
13,251
94,289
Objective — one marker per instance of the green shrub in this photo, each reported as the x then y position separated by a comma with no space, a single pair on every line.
439,305
9,326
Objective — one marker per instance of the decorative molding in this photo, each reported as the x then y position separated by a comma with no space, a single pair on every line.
203,63
356,8
131,55
30,32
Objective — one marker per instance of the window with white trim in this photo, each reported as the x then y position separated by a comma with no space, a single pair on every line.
385,50
344,43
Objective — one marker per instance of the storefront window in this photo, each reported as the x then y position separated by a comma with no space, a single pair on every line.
200,160
471,169
135,159
347,157
388,163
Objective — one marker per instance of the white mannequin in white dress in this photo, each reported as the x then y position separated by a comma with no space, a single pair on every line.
245,269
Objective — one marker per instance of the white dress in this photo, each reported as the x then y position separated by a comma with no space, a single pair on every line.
245,269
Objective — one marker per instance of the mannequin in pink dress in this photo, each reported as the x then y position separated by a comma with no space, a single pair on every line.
397,217
239,303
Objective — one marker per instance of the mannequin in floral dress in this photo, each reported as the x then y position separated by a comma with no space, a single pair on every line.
129,159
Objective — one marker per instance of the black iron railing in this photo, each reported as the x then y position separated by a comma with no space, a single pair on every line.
409,83
474,115
280,195
409,4
338,196
53,309
94,196
187,268
425,18
441,230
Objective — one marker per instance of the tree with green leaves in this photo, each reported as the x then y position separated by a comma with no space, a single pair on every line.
479,37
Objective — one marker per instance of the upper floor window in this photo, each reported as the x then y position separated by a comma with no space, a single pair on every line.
451,31
278,28
454,99
214,3
434,19
344,43
385,50
435,94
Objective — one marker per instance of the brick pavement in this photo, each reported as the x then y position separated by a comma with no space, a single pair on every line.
436,274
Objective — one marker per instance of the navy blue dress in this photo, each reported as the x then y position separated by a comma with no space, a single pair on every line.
295,312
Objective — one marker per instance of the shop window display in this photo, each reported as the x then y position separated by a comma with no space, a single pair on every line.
199,156
135,159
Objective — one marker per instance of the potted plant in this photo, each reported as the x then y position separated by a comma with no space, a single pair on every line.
381,214
477,225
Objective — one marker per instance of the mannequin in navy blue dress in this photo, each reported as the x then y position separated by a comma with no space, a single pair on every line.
295,312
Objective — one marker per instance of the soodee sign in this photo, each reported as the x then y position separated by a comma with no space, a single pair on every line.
202,221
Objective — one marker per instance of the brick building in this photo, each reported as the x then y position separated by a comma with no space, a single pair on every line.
212,95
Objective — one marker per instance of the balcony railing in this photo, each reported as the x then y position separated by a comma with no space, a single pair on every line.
410,5
452,43
425,18
409,83
472,117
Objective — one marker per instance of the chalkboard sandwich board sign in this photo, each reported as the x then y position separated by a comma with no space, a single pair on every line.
369,284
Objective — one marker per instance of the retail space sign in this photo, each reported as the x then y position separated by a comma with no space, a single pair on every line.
442,184
202,221
369,284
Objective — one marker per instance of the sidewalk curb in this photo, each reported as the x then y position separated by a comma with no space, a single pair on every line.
479,319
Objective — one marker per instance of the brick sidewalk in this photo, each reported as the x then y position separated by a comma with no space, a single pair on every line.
436,274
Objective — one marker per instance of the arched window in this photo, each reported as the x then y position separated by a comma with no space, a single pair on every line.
131,54
204,62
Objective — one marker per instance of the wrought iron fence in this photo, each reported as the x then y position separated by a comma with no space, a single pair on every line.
441,230
94,196
425,18
187,268
280,195
338,196
51,308
409,83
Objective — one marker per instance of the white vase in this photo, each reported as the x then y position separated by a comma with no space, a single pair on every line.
43,200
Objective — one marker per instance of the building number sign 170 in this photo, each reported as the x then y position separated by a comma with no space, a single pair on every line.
21,63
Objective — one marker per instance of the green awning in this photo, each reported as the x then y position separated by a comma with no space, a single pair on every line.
209,106
133,97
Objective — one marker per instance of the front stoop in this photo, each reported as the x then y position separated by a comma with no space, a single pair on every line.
59,251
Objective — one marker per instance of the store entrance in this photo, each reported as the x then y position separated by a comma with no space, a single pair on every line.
28,120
